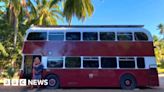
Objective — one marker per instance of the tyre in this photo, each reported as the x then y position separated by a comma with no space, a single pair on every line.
127,81
53,81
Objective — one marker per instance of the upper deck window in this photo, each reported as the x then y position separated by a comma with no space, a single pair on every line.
73,36
56,36
107,36
124,36
140,36
88,36
37,36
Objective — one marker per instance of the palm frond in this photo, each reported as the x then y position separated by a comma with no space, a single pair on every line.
79,8
161,28
53,2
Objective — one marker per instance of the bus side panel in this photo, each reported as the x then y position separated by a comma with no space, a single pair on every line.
97,77
89,48
85,77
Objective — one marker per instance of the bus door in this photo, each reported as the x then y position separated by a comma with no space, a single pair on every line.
28,65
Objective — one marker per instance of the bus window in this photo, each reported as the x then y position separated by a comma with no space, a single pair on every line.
140,36
90,36
140,62
108,62
56,36
126,62
90,62
107,36
37,36
55,63
73,36
72,62
124,36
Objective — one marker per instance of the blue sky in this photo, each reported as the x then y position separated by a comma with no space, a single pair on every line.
125,12
114,12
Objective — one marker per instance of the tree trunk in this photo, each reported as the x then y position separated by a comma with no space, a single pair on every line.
15,30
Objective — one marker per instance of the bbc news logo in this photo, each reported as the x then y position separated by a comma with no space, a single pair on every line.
24,82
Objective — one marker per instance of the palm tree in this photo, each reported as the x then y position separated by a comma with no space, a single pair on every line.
161,28
79,8
47,12
44,12
13,11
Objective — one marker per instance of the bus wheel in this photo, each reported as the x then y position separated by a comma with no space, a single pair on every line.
127,81
53,81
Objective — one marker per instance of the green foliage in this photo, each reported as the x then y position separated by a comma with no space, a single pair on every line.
16,16
79,8
159,50
9,55
3,51
162,63
161,28
44,12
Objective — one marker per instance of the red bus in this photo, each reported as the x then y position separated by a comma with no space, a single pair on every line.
92,56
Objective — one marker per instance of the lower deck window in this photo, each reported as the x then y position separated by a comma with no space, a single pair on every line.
127,63
93,62
55,63
90,63
140,62
108,62
72,62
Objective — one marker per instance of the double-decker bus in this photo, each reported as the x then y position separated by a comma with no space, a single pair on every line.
92,56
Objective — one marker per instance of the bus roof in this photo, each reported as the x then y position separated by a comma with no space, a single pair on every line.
91,26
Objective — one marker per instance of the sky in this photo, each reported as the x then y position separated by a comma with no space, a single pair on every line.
149,13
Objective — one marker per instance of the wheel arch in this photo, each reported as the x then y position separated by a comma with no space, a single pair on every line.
53,74
131,74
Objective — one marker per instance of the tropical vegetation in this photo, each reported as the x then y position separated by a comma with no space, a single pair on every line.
18,15
159,50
